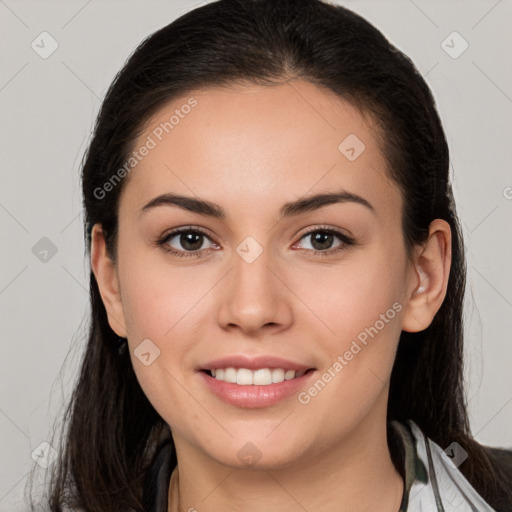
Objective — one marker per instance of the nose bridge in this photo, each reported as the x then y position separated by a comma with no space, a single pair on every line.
254,296
251,271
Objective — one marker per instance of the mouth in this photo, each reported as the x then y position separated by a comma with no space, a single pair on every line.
254,382
258,377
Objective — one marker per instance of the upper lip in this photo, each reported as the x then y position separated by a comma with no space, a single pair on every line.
254,363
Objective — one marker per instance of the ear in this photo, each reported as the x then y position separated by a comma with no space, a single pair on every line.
429,278
105,273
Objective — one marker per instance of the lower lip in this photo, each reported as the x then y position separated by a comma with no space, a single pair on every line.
254,396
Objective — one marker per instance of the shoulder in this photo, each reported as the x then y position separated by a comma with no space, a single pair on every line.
501,459
503,456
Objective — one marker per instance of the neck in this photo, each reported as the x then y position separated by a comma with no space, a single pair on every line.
356,475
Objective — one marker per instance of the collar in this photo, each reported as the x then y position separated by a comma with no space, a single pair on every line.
432,480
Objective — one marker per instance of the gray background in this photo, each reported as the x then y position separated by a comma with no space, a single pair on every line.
48,108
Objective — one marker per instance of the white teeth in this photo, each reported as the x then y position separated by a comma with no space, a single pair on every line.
260,377
263,377
230,375
290,374
277,375
244,377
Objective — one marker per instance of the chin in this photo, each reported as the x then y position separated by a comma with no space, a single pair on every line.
258,454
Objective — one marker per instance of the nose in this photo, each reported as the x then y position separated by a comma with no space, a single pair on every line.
255,299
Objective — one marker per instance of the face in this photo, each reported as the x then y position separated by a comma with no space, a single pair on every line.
265,289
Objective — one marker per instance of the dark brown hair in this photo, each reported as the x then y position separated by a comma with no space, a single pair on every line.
111,429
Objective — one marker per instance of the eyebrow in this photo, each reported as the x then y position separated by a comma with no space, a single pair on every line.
302,205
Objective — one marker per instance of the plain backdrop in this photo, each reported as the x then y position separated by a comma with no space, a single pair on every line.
48,107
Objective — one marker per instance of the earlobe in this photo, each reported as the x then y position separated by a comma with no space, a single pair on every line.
429,279
106,276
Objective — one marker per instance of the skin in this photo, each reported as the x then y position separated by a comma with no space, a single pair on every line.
251,149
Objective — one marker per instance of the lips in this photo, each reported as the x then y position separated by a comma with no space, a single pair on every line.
254,382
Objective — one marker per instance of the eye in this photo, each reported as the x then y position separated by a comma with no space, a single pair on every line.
322,240
188,242
190,239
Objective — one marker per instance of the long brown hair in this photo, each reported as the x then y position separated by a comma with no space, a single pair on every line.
111,431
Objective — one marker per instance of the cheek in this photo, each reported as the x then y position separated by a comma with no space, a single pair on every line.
157,296
352,296
163,308
158,307
360,306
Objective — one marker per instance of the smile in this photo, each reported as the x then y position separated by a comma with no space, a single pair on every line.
259,377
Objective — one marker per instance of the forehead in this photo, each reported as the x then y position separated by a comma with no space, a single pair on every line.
258,143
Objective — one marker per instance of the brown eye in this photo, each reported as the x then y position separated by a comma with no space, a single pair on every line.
191,241
322,240
186,242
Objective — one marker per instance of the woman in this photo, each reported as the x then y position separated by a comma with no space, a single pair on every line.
277,279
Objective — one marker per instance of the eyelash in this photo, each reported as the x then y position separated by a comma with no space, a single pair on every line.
162,242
